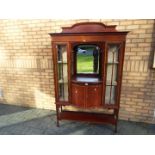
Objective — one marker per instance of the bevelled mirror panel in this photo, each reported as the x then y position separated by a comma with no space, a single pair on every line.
87,59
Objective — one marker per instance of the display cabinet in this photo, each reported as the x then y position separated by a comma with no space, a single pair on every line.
88,63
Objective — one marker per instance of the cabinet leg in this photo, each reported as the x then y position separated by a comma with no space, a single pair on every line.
58,123
116,118
61,108
116,128
57,111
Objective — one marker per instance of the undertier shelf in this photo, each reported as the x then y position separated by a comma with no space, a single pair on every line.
88,117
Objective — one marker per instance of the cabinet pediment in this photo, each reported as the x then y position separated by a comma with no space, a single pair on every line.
89,27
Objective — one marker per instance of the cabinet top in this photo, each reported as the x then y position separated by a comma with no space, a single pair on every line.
89,28
86,79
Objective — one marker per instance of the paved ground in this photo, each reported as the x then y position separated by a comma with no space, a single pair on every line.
16,120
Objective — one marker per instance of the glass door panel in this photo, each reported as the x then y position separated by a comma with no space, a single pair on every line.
111,73
62,72
113,53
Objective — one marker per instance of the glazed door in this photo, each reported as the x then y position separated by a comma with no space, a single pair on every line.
113,69
61,71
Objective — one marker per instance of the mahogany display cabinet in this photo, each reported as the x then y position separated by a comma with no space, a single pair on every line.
88,63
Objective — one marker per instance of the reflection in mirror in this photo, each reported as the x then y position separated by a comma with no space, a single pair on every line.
87,58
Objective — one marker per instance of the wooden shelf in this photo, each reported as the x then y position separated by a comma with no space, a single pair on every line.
79,79
60,62
108,83
88,117
110,63
62,81
62,99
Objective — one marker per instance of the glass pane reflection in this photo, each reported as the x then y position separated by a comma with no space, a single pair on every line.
62,72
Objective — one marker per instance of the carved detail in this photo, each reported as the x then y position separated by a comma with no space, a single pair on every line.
89,27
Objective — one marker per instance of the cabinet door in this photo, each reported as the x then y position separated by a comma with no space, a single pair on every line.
112,70
93,96
61,71
78,95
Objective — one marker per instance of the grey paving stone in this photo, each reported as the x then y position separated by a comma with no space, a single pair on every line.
102,129
41,123
26,131
16,120
8,109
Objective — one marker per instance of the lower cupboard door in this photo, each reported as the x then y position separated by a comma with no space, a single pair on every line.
93,96
78,95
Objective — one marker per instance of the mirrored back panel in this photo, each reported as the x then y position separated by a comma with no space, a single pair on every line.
87,59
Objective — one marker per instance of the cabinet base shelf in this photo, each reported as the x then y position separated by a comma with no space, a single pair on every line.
88,117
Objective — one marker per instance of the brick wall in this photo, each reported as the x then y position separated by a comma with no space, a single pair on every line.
26,70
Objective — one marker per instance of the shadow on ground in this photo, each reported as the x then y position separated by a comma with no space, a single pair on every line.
16,120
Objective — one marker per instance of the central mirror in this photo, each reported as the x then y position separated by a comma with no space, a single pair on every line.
87,59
